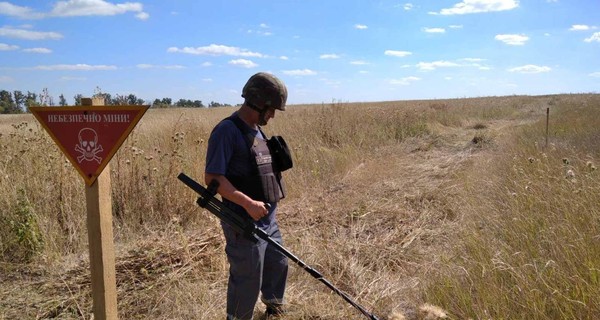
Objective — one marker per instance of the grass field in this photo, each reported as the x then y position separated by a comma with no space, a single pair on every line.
436,208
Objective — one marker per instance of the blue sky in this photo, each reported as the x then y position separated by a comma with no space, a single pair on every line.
324,50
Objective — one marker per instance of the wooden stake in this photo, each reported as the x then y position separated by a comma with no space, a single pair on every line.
101,244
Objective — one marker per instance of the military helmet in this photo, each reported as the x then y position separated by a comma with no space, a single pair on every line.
264,90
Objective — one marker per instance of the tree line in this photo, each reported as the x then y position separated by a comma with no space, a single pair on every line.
14,102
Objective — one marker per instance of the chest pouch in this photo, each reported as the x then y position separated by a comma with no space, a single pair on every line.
282,157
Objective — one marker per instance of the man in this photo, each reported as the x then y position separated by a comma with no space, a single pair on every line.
239,159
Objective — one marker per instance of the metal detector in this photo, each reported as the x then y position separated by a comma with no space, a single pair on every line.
244,225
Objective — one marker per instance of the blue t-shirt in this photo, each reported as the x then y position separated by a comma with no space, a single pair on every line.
228,153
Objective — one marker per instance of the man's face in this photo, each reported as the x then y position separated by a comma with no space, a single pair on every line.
270,113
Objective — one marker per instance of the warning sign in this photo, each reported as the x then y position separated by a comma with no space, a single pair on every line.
90,135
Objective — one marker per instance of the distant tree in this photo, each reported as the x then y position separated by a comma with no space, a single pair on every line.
6,101
132,99
31,100
118,100
20,99
77,99
166,101
187,103
161,103
214,104
183,103
61,100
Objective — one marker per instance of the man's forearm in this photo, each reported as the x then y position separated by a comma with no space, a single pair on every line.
254,208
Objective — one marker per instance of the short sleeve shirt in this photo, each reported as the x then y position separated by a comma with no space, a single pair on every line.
228,153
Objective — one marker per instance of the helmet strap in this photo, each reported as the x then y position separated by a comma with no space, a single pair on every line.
261,113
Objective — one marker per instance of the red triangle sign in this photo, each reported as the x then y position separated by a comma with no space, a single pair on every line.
90,135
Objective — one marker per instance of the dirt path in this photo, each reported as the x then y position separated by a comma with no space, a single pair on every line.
407,194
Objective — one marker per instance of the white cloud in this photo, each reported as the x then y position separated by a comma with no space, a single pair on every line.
430,66
579,27
216,50
12,10
74,67
480,6
474,62
530,68
300,72
243,63
360,26
404,81
8,47
329,56
38,50
75,8
359,62
455,26
408,6
207,64
142,16
594,38
512,39
5,79
284,58
434,30
395,53
72,8
28,34
152,66
595,74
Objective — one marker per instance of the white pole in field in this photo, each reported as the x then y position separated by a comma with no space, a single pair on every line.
547,124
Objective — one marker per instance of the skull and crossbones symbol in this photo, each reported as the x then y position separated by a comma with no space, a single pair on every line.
88,146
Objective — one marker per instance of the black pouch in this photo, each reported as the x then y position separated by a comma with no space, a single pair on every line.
282,157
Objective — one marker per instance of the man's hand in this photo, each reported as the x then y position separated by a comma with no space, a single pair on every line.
256,209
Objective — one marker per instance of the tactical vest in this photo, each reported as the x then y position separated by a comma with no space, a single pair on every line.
265,183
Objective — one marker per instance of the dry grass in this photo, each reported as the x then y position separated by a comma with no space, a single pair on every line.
386,199
531,246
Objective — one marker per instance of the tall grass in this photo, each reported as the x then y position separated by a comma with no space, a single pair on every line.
377,236
327,140
531,248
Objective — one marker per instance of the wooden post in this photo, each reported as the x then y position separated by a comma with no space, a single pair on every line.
101,244
547,124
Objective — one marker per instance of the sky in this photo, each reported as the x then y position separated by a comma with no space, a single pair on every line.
324,50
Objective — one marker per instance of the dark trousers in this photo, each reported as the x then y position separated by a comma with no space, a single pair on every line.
253,268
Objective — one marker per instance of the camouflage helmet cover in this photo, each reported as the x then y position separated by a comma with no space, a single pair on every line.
264,90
